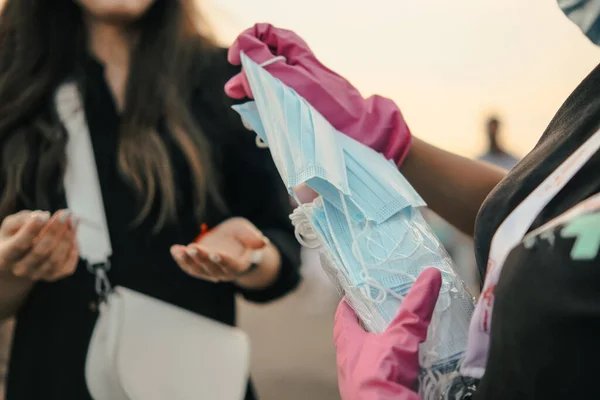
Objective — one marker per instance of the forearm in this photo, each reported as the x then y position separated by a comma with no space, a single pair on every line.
13,291
454,187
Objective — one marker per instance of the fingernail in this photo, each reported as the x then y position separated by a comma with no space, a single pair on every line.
178,254
214,258
41,216
64,216
266,240
247,125
75,221
192,252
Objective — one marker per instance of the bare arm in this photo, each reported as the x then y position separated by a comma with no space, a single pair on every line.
454,187
13,291
15,232
33,248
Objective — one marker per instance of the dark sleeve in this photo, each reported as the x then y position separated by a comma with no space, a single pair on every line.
254,190
546,318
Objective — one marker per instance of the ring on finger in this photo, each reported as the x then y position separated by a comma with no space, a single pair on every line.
255,259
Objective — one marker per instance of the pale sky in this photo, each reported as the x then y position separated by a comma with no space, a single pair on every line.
447,63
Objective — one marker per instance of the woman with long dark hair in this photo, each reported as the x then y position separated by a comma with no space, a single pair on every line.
170,157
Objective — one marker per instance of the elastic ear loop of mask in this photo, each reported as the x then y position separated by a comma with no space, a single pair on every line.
269,122
383,291
389,258
369,282
306,235
259,142
392,255
303,230
366,266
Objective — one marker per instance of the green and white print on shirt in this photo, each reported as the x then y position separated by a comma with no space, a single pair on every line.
586,231
581,223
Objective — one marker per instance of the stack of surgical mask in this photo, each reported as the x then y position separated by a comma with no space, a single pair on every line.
366,222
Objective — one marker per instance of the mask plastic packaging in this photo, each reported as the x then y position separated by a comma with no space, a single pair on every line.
372,239
394,256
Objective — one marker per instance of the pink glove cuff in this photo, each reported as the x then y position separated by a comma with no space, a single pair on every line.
390,134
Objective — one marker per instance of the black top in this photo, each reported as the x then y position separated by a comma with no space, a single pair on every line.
54,325
544,337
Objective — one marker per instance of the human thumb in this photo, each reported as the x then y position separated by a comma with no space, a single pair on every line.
409,328
417,307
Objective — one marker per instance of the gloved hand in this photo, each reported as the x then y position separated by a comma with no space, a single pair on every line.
376,122
385,366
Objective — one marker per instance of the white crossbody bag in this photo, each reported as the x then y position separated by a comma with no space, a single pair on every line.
141,348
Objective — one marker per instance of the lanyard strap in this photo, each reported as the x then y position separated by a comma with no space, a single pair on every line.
508,236
82,185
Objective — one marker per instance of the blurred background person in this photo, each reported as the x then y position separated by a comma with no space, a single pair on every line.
170,155
496,154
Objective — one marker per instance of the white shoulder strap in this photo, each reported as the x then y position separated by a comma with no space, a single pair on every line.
82,186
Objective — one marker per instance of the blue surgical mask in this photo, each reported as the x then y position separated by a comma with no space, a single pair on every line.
585,14
367,219
301,139
249,112
376,186
376,189
380,263
330,193
251,119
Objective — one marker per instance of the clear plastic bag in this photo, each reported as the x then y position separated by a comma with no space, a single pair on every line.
373,240
391,256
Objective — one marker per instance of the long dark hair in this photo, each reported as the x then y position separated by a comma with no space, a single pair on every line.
42,43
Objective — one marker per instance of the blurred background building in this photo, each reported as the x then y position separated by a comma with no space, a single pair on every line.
449,65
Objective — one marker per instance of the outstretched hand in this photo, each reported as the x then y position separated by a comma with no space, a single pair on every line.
225,253
38,246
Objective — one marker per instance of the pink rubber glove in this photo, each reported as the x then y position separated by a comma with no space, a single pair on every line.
386,366
376,122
